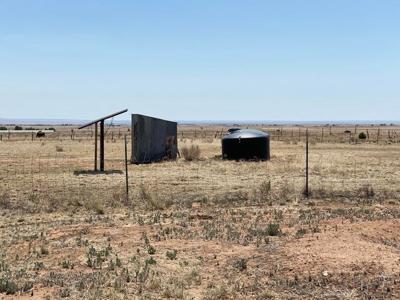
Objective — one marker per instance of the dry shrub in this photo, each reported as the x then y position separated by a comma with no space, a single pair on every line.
59,148
191,153
230,198
366,192
5,202
219,292
285,192
150,199
263,191
95,205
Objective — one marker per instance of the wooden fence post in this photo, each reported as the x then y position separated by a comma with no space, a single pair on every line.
299,134
377,135
322,134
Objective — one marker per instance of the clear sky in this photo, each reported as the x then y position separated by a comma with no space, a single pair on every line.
201,60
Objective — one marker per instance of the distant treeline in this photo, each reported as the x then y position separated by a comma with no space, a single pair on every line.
26,128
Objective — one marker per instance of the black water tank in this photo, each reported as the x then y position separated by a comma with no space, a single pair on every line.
245,144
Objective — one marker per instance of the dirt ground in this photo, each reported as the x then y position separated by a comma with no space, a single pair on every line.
202,229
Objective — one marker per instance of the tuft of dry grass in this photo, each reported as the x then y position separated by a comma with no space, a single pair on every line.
5,202
191,153
59,148
151,199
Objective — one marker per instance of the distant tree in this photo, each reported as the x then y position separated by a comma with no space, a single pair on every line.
3,128
362,136
18,128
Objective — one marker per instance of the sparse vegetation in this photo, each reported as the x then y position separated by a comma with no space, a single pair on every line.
191,153
7,286
240,264
273,229
209,229
171,255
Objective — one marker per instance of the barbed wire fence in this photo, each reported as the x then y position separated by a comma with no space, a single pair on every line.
43,173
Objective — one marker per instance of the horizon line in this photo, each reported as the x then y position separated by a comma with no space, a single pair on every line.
40,121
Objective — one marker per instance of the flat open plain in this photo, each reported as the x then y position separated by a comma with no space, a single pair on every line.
202,229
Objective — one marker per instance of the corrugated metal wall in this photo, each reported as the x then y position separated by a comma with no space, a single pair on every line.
153,139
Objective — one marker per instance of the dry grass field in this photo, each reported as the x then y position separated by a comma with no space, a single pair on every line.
202,229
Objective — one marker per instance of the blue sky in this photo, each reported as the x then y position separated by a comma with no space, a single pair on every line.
201,60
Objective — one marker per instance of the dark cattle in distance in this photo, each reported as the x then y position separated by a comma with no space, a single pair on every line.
40,134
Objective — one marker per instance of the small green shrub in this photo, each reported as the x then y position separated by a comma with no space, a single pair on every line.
151,250
171,255
7,286
38,266
301,232
150,261
66,264
240,264
273,229
65,293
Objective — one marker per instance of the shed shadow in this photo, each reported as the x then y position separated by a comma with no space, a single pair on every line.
93,172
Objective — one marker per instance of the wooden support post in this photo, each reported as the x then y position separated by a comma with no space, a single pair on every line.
306,190
102,146
32,136
95,146
126,171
